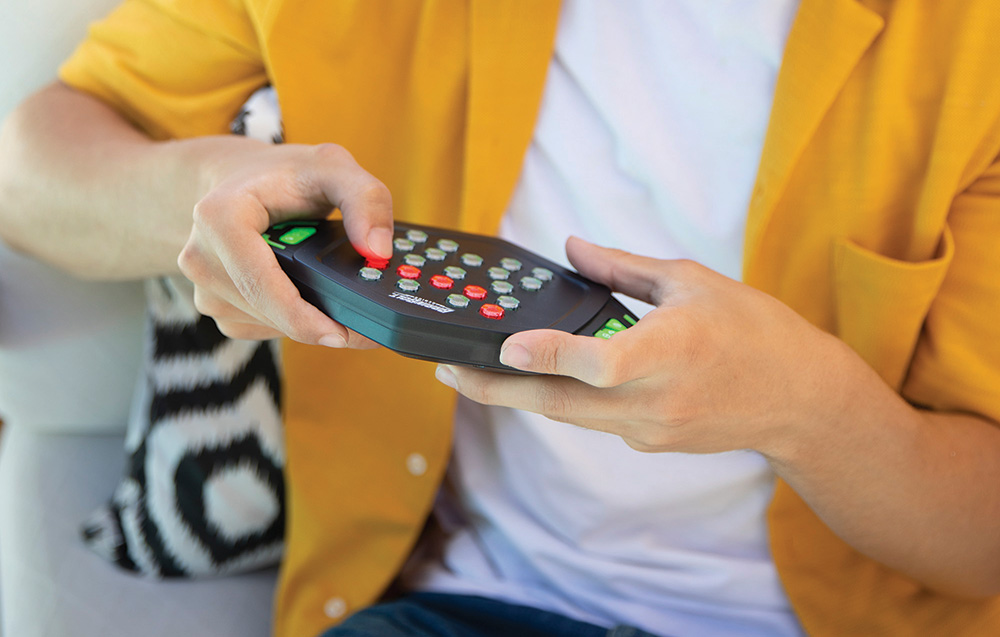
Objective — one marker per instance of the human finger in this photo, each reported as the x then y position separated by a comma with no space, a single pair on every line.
365,202
556,397
596,361
647,279
231,225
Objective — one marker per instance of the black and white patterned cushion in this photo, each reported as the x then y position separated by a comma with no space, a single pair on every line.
203,488
203,491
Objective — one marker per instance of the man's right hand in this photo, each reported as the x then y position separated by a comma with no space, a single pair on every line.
237,279
85,191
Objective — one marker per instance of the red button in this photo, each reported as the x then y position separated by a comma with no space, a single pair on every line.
441,282
475,292
378,264
408,271
491,311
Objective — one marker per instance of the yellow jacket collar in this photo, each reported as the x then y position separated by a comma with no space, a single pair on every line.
510,47
826,42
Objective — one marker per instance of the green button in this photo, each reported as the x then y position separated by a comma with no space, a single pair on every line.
605,333
614,324
296,236
267,238
630,320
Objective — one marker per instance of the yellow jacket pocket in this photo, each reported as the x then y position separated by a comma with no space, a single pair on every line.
881,303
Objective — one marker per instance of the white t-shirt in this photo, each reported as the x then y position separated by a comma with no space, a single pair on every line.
649,137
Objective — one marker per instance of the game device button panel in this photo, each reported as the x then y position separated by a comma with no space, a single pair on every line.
445,296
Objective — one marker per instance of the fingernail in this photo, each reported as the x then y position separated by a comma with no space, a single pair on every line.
380,241
333,340
515,355
447,377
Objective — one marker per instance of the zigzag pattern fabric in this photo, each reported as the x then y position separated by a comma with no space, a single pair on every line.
203,490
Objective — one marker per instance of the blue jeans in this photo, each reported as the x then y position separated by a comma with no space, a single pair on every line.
443,615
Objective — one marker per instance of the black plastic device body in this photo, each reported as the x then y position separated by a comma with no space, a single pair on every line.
448,296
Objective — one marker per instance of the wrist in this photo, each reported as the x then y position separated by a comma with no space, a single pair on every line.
840,397
211,159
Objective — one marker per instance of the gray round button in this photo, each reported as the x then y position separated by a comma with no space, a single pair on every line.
416,236
508,302
498,274
531,284
415,260
502,287
472,260
457,300
435,254
508,263
455,272
370,274
448,245
542,274
403,245
408,285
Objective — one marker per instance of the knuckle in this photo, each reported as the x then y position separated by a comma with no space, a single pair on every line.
192,264
613,369
373,195
233,330
474,389
207,304
206,210
333,153
553,400
244,331
688,267
641,445
648,437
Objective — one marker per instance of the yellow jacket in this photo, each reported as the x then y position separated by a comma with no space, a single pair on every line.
876,215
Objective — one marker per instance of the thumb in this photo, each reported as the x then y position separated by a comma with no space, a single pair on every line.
336,179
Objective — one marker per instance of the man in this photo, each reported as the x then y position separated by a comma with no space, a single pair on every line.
867,290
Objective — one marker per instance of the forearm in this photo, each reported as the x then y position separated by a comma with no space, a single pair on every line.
83,190
719,366
915,490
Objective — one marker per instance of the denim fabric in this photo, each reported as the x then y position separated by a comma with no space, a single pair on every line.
443,615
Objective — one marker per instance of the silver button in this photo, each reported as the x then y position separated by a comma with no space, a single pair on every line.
531,284
416,464
508,302
414,260
416,236
335,607
448,245
455,272
508,263
435,254
408,285
502,287
472,260
498,274
403,245
370,274
457,300
542,274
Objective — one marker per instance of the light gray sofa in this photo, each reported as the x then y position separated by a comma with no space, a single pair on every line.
69,352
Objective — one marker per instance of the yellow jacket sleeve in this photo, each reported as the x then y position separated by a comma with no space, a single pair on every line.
207,63
956,365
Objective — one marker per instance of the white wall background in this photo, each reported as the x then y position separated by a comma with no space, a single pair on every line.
69,349
35,36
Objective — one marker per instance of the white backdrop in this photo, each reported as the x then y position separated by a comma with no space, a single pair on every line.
68,348
34,37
